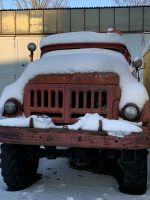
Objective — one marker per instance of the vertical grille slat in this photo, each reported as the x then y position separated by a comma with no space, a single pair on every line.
104,100
100,99
42,98
53,93
73,99
88,100
49,99
81,99
32,98
38,98
77,99
60,99
92,99
96,99
35,97
56,99
46,98
84,99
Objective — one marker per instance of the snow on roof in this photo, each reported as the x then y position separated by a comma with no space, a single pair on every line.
146,48
81,61
82,37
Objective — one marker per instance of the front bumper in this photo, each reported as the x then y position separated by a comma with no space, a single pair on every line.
70,138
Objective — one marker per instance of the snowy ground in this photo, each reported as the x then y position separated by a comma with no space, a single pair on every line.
60,182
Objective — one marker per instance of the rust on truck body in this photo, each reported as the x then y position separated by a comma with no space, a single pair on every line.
108,78
111,46
66,97
70,138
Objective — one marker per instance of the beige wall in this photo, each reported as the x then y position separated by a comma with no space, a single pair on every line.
14,57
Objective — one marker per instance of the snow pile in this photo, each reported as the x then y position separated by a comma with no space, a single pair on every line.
43,122
15,122
146,49
82,37
81,61
118,128
89,122
38,121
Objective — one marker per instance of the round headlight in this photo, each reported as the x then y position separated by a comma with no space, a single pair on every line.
130,112
10,107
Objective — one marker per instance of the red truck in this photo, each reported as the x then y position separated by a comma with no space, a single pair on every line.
82,95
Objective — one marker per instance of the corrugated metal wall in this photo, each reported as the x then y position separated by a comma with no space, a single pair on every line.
127,19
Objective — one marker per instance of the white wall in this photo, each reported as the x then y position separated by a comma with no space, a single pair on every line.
14,55
136,43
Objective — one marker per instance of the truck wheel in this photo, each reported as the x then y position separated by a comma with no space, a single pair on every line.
133,178
19,165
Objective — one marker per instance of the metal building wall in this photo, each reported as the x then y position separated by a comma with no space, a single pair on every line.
127,19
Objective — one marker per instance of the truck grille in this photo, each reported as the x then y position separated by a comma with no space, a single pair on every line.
67,102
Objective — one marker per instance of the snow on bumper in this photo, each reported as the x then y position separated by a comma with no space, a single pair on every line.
91,131
90,122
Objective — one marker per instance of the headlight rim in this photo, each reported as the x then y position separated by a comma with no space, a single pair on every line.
133,105
18,108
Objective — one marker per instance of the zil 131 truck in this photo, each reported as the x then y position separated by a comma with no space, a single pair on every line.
80,94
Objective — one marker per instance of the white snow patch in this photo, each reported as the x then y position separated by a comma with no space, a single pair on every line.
16,122
112,127
70,198
43,122
110,29
88,122
82,37
81,61
38,121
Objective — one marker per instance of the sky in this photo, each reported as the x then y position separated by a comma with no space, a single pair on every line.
71,3
91,3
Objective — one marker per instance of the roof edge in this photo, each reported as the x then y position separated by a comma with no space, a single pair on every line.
66,8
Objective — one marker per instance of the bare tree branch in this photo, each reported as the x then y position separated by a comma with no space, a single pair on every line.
44,4
39,3
132,2
1,4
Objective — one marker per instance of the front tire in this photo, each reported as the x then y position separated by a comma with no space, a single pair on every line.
19,164
133,178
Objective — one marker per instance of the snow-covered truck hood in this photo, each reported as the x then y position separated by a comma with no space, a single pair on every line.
81,61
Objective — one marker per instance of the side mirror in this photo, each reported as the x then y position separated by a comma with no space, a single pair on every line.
137,63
